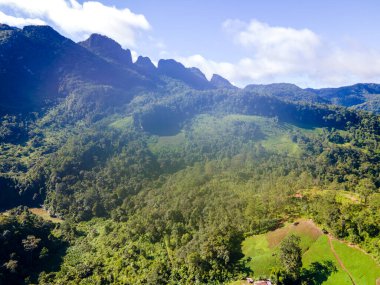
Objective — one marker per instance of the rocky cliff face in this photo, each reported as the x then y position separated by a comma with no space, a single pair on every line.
108,49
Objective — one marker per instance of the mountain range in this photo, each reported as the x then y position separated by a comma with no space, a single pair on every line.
114,171
51,66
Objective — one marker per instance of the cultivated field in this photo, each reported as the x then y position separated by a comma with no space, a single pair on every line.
328,260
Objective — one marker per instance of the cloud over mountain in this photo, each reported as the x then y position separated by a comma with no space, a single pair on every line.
257,52
283,54
76,20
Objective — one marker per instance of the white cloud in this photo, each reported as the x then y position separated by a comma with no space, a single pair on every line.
134,55
283,43
267,53
77,20
283,54
208,67
17,22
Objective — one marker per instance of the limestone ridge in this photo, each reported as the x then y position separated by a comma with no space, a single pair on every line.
191,76
51,66
220,82
108,49
145,65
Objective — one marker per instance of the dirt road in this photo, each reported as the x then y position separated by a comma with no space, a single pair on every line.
339,260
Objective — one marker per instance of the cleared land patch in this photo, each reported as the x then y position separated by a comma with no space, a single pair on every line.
45,215
318,259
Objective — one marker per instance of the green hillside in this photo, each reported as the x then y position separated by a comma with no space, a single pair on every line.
156,175
319,261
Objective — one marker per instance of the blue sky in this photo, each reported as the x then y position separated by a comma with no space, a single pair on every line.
187,26
309,43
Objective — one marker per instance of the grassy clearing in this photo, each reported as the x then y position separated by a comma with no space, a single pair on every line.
346,197
122,123
45,215
262,257
362,267
320,252
275,135
174,143
282,144
263,249
262,252
341,196
38,212
4,214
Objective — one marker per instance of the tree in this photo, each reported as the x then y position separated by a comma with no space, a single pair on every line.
11,265
30,244
365,188
291,256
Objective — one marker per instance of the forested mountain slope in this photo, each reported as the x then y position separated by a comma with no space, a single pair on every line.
159,173
359,96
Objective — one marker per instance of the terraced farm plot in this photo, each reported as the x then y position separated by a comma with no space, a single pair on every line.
319,261
263,249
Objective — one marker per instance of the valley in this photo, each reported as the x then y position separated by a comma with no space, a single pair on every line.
154,174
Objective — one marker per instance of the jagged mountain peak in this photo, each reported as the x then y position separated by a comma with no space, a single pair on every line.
98,40
169,63
44,34
145,65
196,71
108,49
220,82
191,76
48,62
4,27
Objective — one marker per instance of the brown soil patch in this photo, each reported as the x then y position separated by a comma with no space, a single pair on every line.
275,237
302,227
308,227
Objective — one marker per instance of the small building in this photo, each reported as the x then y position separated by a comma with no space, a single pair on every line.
262,282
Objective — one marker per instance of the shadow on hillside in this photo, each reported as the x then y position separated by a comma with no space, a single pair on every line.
47,268
318,272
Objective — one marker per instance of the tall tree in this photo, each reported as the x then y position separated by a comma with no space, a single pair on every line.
30,244
291,256
365,188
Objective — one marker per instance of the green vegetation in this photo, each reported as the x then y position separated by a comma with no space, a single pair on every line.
264,249
28,247
261,256
291,257
320,251
362,267
122,123
185,201
320,266
162,178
